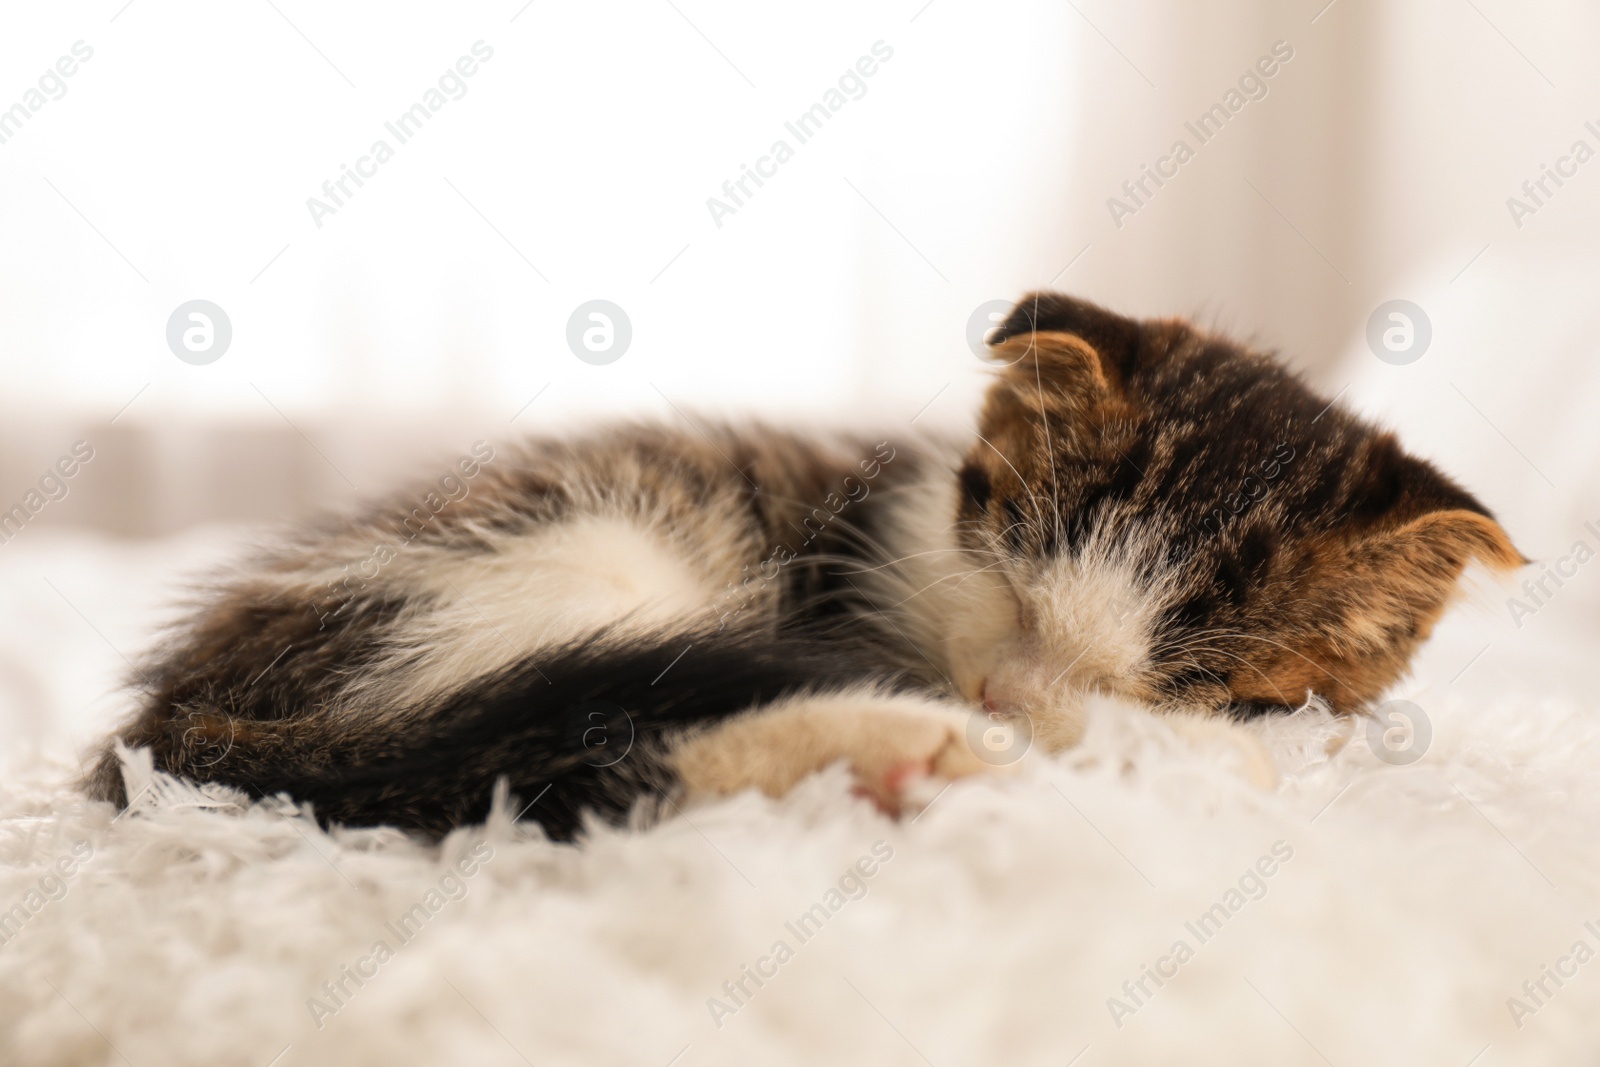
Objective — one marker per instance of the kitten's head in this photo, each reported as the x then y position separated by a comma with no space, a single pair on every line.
1179,519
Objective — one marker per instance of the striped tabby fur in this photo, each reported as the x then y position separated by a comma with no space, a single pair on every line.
650,612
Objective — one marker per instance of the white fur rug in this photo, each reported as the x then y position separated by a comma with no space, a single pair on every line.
1364,913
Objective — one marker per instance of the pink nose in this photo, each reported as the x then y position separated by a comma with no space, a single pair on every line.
996,699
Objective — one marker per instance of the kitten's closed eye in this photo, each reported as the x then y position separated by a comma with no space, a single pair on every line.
1255,709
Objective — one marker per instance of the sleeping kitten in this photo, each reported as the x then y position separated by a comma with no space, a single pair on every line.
1145,509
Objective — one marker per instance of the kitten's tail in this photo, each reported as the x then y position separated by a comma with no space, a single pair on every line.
585,727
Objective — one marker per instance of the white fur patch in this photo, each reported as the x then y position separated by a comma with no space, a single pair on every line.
1092,615
932,582
1032,637
541,590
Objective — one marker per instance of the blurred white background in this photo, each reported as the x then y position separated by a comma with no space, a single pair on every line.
578,161
176,163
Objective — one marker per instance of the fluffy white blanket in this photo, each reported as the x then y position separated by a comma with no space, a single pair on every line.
1134,902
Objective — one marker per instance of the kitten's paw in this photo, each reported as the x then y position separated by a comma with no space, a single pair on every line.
890,791
894,770
894,745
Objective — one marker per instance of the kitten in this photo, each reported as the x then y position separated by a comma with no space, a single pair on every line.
1145,509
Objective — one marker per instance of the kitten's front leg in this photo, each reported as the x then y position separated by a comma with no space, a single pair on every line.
891,741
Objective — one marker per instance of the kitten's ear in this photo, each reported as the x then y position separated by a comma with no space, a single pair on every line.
1429,553
1066,367
1412,501
1057,377
1399,580
1419,531
1379,595
1105,331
